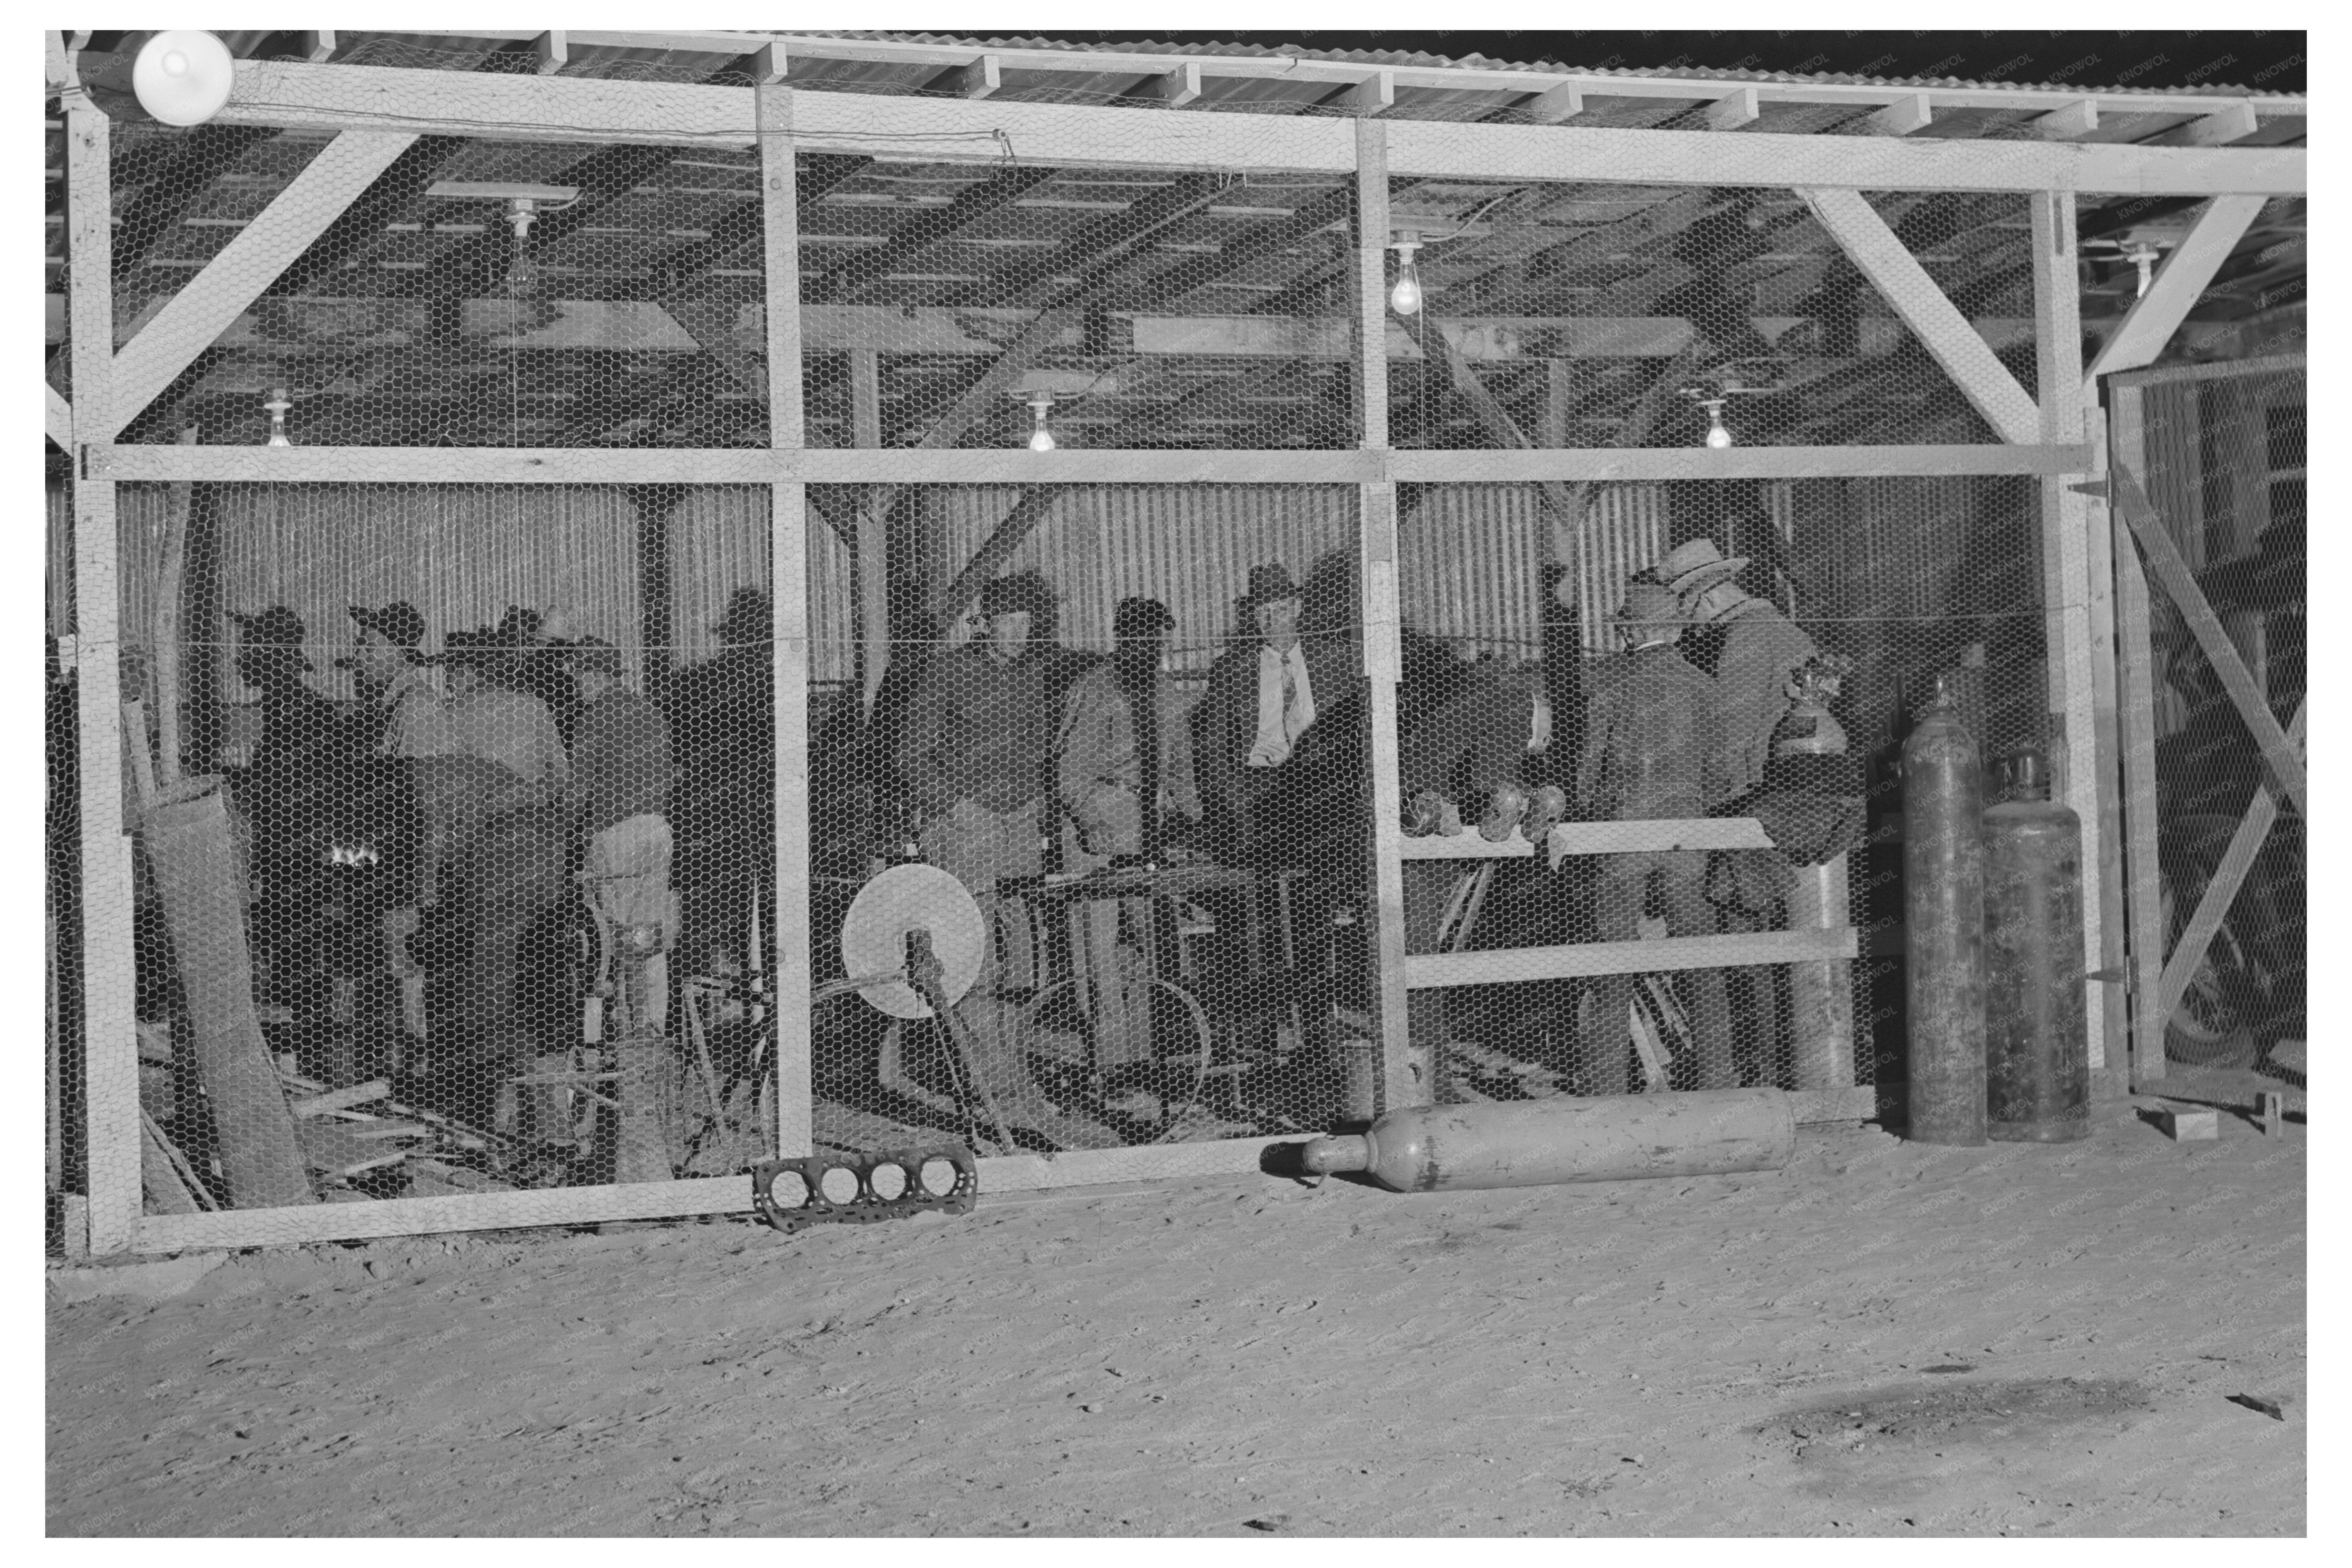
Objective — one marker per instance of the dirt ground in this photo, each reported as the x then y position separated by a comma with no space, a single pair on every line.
1884,1339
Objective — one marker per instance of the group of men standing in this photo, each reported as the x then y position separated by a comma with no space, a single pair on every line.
1016,750
478,806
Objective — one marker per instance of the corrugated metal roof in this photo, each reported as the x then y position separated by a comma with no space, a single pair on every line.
1421,60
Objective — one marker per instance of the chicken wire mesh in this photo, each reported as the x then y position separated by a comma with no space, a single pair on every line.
1146,963
1710,698
461,887
2220,452
1162,967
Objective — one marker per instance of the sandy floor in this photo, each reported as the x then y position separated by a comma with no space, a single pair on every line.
1884,1339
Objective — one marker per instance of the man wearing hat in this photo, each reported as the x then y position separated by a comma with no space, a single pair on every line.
286,788
399,719
1646,756
396,695
975,752
1262,697
1761,650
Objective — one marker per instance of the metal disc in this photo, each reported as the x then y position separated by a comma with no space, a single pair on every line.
900,899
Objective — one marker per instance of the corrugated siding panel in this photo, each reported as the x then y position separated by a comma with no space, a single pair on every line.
1473,558
719,546
1191,547
460,553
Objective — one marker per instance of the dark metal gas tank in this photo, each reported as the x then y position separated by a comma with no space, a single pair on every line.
2037,1030
1943,903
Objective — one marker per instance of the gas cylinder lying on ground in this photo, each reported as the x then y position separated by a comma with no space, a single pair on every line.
1538,1142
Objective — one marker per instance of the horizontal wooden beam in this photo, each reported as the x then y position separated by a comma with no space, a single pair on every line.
585,110
1503,966
1667,463
1999,98
1567,838
1019,465
370,325
436,464
466,1211
1769,159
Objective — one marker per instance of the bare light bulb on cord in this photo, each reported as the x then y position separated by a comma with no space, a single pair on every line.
1405,297
522,275
1718,437
278,406
1040,439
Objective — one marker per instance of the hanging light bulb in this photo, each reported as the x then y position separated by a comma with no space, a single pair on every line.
523,274
1404,298
181,77
1718,437
279,406
1040,439
2144,257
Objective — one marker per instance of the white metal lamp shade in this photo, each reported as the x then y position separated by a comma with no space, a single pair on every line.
182,77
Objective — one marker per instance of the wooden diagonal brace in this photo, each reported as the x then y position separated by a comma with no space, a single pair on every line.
2214,905
2165,563
1957,347
2184,277
59,417
212,300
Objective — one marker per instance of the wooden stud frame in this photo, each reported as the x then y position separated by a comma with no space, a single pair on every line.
375,112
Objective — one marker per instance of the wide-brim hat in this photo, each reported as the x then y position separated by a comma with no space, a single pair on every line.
1694,566
397,623
1268,583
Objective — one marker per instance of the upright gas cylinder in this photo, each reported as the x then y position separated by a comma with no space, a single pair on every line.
1943,917
1536,1143
2037,1034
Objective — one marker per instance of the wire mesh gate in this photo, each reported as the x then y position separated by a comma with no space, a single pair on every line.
678,622
2208,481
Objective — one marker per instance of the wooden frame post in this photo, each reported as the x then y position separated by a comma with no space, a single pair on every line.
1404,1080
2076,759
110,962
2106,866
788,603
873,532
2135,741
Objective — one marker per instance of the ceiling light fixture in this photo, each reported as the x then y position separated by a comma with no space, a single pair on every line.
279,406
1041,438
1405,297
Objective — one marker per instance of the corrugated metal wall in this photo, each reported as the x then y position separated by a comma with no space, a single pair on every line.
1471,560
1191,547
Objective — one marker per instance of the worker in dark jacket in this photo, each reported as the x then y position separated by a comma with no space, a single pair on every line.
1646,756
976,753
